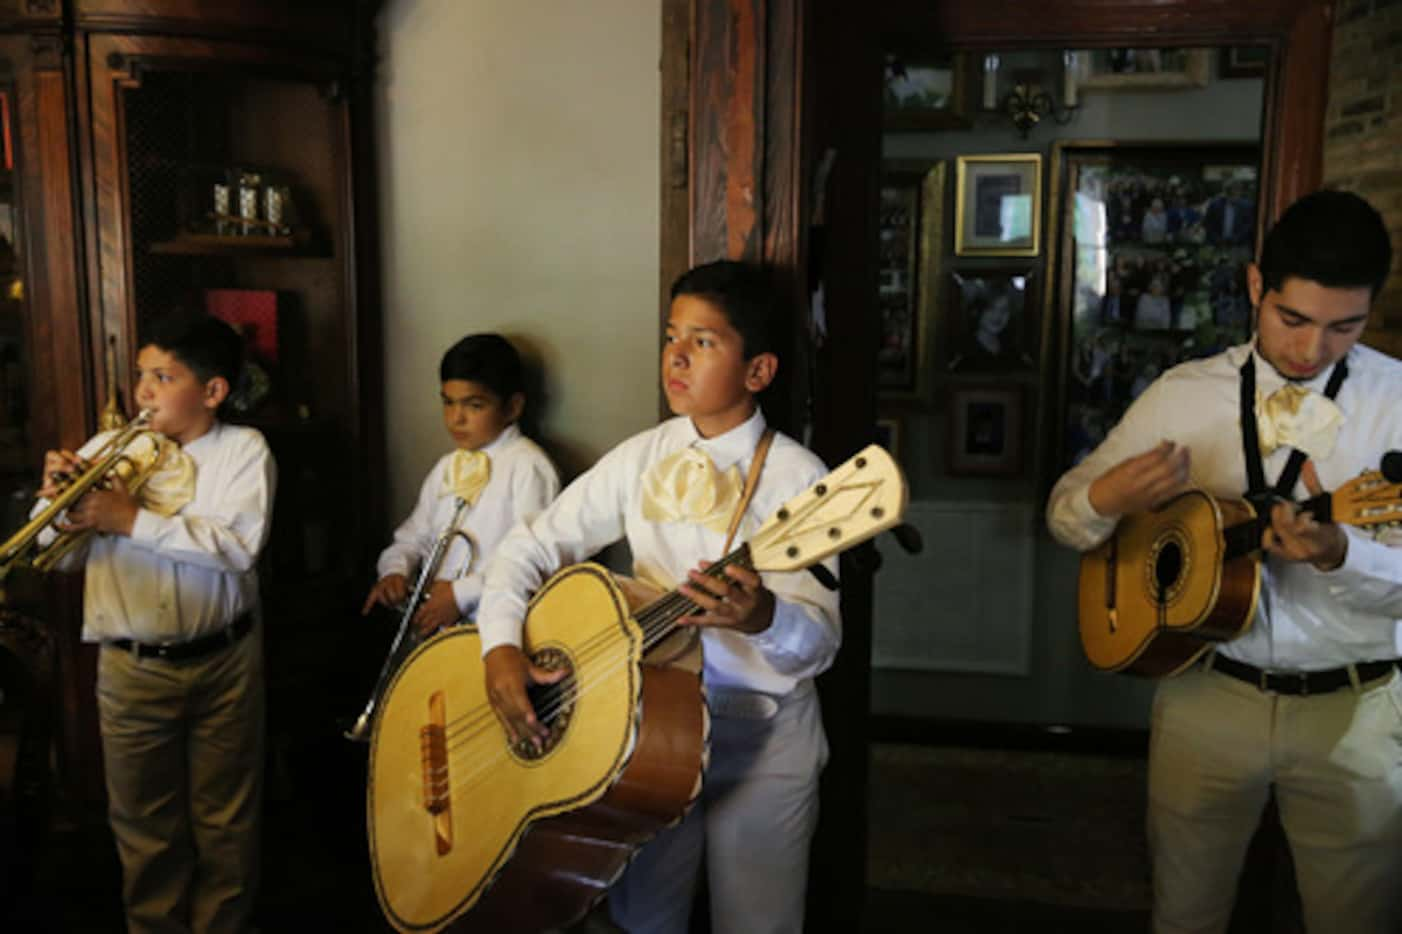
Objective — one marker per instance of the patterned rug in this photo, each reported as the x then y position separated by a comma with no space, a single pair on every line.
1030,826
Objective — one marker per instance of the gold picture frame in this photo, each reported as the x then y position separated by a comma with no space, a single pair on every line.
1169,69
910,279
998,205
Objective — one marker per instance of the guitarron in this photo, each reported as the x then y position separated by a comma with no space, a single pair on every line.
1173,582
466,827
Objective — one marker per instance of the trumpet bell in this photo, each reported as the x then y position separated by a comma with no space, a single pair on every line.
136,455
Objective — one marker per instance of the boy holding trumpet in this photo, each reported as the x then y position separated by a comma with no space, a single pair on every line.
171,594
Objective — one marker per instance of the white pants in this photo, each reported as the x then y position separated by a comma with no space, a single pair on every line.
1218,744
754,824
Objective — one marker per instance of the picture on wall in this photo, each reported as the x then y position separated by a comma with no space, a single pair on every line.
911,233
1153,243
926,92
985,429
1143,68
998,205
991,321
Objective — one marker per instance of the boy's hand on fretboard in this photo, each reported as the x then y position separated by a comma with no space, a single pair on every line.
737,601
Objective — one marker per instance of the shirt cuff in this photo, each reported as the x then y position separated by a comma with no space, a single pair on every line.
1083,514
498,628
467,593
1363,558
392,565
785,629
148,527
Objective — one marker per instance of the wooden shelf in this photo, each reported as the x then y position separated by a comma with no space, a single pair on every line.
200,244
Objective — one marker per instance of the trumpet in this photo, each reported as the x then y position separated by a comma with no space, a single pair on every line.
133,454
407,638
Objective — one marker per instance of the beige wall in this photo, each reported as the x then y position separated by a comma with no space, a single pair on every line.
518,163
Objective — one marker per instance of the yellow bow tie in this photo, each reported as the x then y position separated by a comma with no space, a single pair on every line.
1293,416
467,474
687,487
171,483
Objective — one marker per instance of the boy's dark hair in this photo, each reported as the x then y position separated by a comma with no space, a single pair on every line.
209,346
488,359
1334,238
744,292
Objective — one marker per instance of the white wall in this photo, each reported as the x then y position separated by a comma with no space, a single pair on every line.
518,160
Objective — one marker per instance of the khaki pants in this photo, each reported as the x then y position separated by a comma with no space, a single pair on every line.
1218,744
182,743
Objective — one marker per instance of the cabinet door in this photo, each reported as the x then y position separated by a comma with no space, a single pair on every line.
45,384
173,120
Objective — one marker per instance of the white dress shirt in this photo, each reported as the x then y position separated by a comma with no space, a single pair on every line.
522,482
605,505
1307,619
180,577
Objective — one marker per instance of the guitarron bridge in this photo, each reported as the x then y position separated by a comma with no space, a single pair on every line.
433,757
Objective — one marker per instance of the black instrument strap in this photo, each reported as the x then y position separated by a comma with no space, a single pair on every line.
1257,489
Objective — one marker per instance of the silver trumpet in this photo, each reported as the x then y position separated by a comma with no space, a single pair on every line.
407,638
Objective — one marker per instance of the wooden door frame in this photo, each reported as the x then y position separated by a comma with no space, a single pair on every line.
848,111
748,60
60,379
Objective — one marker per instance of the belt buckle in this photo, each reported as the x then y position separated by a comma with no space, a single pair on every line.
1304,683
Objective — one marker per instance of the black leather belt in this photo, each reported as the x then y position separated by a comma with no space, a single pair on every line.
1300,683
195,648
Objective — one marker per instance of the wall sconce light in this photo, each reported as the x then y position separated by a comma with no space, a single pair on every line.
1027,104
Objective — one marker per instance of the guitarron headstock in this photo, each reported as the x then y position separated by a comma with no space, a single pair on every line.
863,497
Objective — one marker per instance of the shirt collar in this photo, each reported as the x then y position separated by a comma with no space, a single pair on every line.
508,434
732,447
207,440
1268,378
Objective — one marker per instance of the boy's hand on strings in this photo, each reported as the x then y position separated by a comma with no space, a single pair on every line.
439,610
59,466
1295,535
389,591
738,600
507,672
112,510
1139,483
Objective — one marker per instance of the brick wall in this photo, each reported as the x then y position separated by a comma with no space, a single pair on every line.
1363,134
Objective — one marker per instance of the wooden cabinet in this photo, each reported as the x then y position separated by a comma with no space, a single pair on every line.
124,116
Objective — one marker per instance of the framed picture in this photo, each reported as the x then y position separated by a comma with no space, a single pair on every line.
1143,69
1243,61
927,92
911,245
985,429
998,205
1152,245
991,321
888,435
